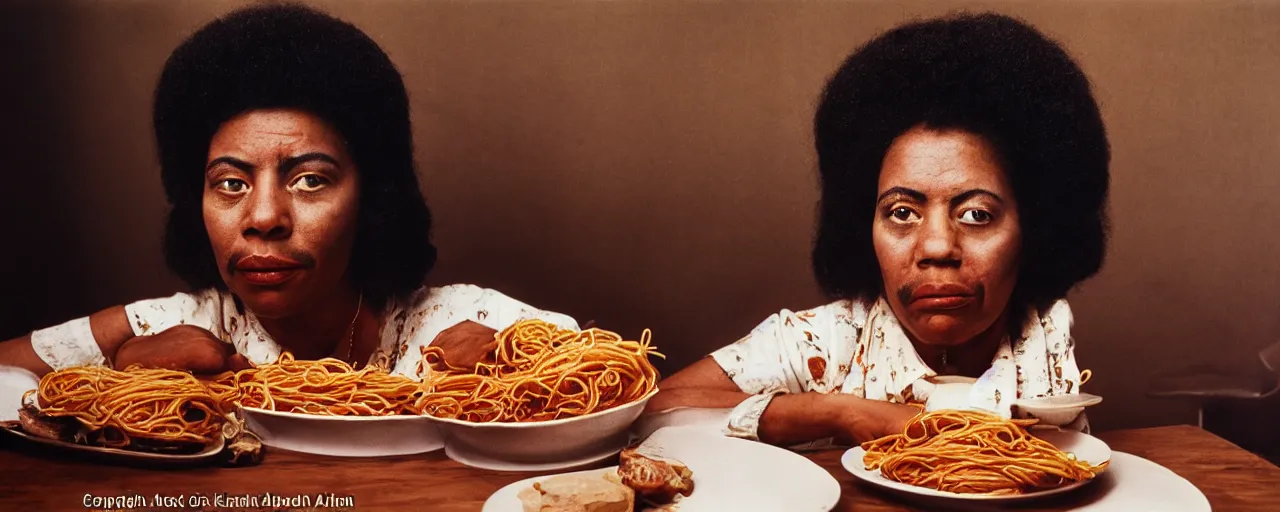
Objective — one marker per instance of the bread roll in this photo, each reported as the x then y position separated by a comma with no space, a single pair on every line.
578,493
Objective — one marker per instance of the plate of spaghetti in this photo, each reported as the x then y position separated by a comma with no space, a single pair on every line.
972,455
142,414
548,398
327,407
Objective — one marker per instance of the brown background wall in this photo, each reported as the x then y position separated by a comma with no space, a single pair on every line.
649,164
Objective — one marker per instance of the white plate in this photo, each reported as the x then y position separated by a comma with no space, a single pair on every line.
1086,447
481,461
14,382
711,420
541,445
728,474
1134,483
116,454
343,436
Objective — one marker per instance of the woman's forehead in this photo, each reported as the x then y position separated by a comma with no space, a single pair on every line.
268,132
942,163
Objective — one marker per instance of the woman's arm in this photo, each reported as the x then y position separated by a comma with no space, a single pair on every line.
106,337
183,348
103,332
462,321
789,419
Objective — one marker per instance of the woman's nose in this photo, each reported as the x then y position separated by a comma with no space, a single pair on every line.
269,216
938,242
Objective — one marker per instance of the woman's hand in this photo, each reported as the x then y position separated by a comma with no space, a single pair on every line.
466,344
182,348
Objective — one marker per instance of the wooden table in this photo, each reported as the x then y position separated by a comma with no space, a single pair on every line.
1231,478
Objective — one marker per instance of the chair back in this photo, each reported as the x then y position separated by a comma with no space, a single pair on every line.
1270,357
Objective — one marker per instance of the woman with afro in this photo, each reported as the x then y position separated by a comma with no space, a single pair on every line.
286,153
964,172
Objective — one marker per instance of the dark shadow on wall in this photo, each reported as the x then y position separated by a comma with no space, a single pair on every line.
35,129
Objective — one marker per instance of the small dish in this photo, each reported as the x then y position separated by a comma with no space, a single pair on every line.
1072,401
1055,410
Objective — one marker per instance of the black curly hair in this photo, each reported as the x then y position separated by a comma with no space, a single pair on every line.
990,75
285,55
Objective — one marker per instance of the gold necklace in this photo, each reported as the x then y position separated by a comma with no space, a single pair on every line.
351,337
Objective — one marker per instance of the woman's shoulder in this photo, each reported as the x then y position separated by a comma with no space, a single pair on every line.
1047,328
438,297
467,301
835,323
844,312
1057,315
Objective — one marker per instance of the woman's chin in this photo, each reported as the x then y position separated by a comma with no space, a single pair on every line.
269,304
942,331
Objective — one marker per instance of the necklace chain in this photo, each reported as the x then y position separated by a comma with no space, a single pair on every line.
351,336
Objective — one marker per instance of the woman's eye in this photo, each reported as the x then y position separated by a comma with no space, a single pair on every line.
232,186
309,182
975,217
902,214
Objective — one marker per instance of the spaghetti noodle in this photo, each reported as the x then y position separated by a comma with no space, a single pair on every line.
973,453
135,408
324,387
541,372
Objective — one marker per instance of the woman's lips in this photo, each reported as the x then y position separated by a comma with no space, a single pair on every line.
267,270
942,296
270,277
943,302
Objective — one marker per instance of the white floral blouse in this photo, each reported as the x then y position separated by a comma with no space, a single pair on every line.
847,347
410,324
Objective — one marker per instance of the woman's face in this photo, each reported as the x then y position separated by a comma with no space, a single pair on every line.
946,235
280,202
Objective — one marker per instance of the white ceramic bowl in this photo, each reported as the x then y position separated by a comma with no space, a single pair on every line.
343,436
541,445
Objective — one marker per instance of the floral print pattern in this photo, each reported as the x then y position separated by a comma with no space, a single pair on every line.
865,352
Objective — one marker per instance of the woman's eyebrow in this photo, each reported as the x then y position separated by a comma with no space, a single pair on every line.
288,164
914,195
969,194
229,160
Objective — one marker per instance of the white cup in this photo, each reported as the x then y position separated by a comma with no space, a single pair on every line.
949,395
